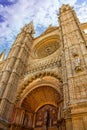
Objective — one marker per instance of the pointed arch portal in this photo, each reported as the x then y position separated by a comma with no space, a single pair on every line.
41,105
43,101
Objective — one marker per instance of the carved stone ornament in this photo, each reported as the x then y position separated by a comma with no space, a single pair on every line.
74,52
77,64
29,28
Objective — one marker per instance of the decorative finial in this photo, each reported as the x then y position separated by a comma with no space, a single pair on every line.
29,28
2,55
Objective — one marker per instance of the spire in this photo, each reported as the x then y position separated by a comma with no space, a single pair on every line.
65,7
29,28
2,55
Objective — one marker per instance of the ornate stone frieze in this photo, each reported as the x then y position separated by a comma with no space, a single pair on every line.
34,67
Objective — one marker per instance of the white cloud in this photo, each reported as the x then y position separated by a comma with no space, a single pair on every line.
70,2
43,13
22,12
81,10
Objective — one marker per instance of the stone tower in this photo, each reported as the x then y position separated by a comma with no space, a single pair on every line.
14,67
74,66
43,80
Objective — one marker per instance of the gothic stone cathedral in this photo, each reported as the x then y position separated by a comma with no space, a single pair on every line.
43,80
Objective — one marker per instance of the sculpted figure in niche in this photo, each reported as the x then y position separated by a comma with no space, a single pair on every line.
77,64
74,51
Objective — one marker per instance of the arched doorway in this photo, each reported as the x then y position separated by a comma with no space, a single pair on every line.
40,96
46,103
41,106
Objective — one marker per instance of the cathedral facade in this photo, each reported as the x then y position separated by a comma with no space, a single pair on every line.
43,80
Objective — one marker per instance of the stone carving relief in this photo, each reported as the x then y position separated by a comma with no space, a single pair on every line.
74,51
44,65
77,64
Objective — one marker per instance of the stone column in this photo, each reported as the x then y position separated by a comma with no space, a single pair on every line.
68,119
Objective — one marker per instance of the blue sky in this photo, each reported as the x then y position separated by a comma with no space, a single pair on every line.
14,14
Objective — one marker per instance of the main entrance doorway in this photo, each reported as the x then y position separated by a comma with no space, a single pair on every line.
46,117
41,106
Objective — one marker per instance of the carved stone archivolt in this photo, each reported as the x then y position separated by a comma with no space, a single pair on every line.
39,78
41,95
